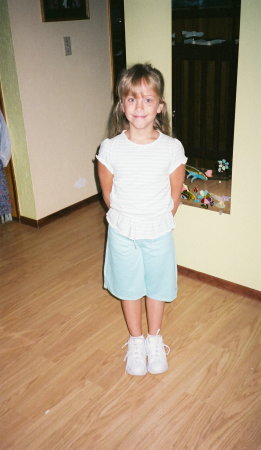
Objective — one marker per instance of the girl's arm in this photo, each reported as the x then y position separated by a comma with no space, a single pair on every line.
106,179
176,183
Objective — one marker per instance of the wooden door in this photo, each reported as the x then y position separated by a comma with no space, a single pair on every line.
204,93
204,74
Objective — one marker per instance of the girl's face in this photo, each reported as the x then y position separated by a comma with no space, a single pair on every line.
141,107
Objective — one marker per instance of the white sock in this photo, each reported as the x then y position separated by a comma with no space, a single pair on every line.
153,335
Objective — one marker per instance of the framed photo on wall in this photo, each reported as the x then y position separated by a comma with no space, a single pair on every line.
60,10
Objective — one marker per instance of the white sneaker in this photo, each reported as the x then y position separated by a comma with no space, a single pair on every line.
136,356
157,351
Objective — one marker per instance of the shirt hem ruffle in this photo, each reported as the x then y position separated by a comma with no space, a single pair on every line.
140,228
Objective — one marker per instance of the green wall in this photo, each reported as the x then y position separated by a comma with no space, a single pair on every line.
148,37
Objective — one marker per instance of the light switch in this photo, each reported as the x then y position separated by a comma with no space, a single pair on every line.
67,45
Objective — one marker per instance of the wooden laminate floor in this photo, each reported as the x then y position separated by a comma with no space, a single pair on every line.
63,384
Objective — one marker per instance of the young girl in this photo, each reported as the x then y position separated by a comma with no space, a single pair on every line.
141,171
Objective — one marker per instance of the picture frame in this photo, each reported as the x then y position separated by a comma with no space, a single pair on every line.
63,10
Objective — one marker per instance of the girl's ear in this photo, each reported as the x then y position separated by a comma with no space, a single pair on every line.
160,107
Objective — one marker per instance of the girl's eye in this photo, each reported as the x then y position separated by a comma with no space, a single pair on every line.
130,99
148,100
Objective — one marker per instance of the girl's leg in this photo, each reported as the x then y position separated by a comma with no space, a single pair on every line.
155,311
132,310
155,347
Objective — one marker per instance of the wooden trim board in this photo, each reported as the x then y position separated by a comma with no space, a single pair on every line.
219,282
45,220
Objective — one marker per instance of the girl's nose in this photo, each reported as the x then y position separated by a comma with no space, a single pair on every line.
139,103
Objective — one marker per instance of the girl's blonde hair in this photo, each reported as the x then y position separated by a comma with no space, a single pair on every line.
129,82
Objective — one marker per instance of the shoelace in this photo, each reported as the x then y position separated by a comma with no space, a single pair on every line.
135,350
155,348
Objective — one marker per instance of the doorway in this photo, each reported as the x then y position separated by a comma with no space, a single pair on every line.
9,173
118,49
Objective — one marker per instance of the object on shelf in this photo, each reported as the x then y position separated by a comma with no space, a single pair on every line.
192,34
208,42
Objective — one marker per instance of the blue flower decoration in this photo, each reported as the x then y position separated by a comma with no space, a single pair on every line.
223,165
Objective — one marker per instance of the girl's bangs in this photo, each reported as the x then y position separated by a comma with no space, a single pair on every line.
133,87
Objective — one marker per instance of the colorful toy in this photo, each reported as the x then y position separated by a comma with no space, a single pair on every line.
195,173
204,198
187,195
223,198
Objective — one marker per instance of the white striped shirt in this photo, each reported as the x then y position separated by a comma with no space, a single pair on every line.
140,200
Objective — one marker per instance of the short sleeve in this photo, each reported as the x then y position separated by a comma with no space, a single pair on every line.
104,155
178,156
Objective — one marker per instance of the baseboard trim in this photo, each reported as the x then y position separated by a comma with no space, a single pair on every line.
63,212
219,282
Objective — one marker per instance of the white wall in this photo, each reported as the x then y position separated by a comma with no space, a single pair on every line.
65,99
225,246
